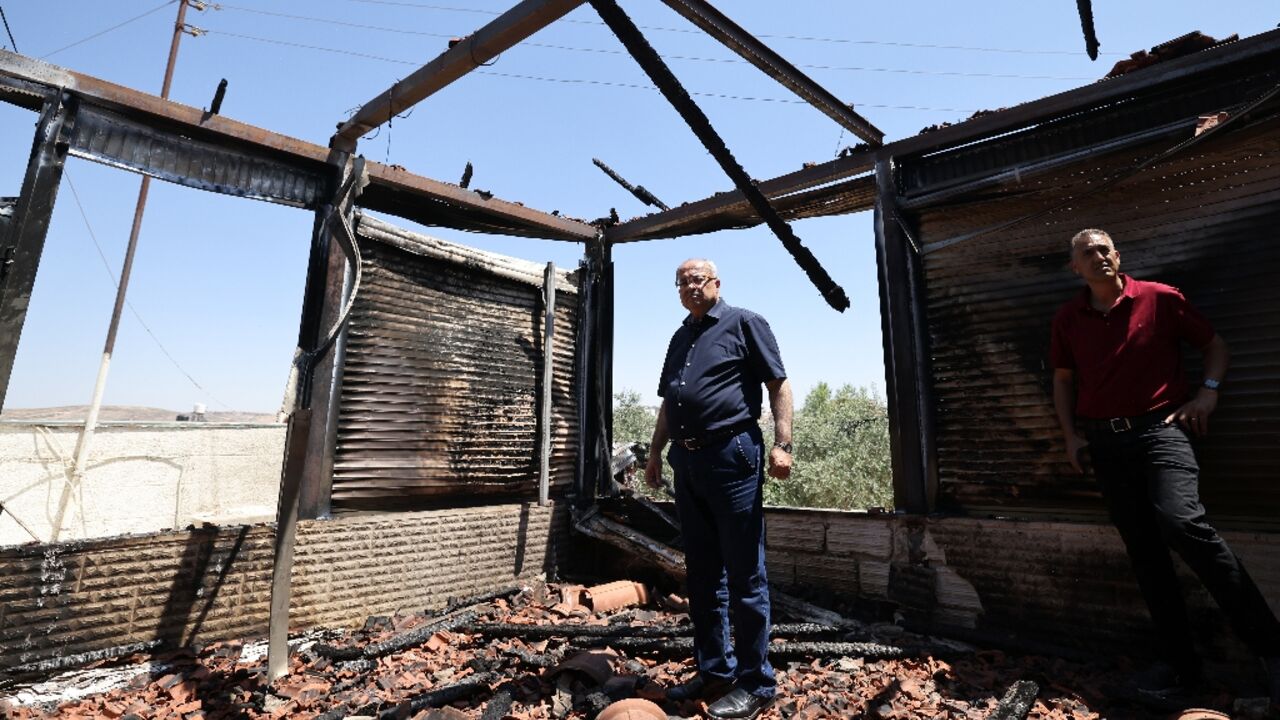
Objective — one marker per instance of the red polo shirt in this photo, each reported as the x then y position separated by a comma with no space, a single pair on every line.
1128,361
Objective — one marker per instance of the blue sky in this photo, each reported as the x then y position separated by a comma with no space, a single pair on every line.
218,280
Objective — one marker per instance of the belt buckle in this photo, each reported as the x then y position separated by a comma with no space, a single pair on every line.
691,443
1119,425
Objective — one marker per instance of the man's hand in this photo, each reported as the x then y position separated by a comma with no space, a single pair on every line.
1194,414
779,463
653,471
1075,451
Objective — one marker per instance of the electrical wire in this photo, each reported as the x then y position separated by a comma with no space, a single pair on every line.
4,17
572,81
690,58
106,264
803,38
100,33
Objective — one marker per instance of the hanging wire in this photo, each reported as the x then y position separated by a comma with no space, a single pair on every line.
575,81
801,38
12,42
100,33
689,58
111,274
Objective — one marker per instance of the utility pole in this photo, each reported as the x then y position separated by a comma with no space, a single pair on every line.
86,436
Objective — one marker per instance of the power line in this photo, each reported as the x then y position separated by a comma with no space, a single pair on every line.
803,38
568,81
100,33
106,264
4,17
690,58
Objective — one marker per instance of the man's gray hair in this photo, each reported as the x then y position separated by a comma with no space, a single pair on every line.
710,266
1087,233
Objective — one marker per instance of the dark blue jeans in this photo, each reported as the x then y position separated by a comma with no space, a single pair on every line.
1150,479
719,496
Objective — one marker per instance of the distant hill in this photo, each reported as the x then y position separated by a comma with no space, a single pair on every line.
127,413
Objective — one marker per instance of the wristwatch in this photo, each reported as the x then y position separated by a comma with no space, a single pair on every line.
785,447
1212,384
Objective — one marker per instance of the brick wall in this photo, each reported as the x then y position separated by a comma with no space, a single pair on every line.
206,584
1039,585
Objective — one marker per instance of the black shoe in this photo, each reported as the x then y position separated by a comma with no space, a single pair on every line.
699,688
738,705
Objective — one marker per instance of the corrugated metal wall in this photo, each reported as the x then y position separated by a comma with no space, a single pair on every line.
442,379
1205,221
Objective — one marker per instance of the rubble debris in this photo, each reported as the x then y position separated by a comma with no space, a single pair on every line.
1192,42
523,658
633,709
617,595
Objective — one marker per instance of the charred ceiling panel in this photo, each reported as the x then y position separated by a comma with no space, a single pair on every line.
442,376
113,139
1129,120
1203,220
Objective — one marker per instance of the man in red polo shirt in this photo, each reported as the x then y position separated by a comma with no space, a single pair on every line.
1118,371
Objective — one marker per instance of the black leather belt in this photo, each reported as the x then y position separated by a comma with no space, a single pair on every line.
697,443
1118,425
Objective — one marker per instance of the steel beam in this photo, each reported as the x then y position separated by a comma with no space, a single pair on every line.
548,379
485,44
906,358
674,222
731,35
23,80
22,238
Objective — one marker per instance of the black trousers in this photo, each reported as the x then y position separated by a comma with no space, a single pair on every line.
1150,479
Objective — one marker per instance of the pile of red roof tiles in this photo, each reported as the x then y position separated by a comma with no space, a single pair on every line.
540,653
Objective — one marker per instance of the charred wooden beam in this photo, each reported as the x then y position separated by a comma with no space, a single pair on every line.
499,706
1086,25
593,524
787,650
674,92
575,633
808,613
439,697
471,52
1017,701
474,602
419,635
639,191
731,35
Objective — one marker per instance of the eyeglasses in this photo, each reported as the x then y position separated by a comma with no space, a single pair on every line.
694,281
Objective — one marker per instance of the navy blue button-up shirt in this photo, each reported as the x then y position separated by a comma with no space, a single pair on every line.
714,368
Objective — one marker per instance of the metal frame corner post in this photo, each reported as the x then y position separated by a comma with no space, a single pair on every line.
595,370
314,403
22,239
548,379
900,276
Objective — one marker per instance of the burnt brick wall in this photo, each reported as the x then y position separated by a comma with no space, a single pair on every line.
65,599
1039,585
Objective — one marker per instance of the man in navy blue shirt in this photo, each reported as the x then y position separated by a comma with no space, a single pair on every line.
711,399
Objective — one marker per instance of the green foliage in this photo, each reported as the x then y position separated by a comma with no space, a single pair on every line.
841,441
841,444
632,422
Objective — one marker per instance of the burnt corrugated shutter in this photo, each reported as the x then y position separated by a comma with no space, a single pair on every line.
1204,221
442,376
